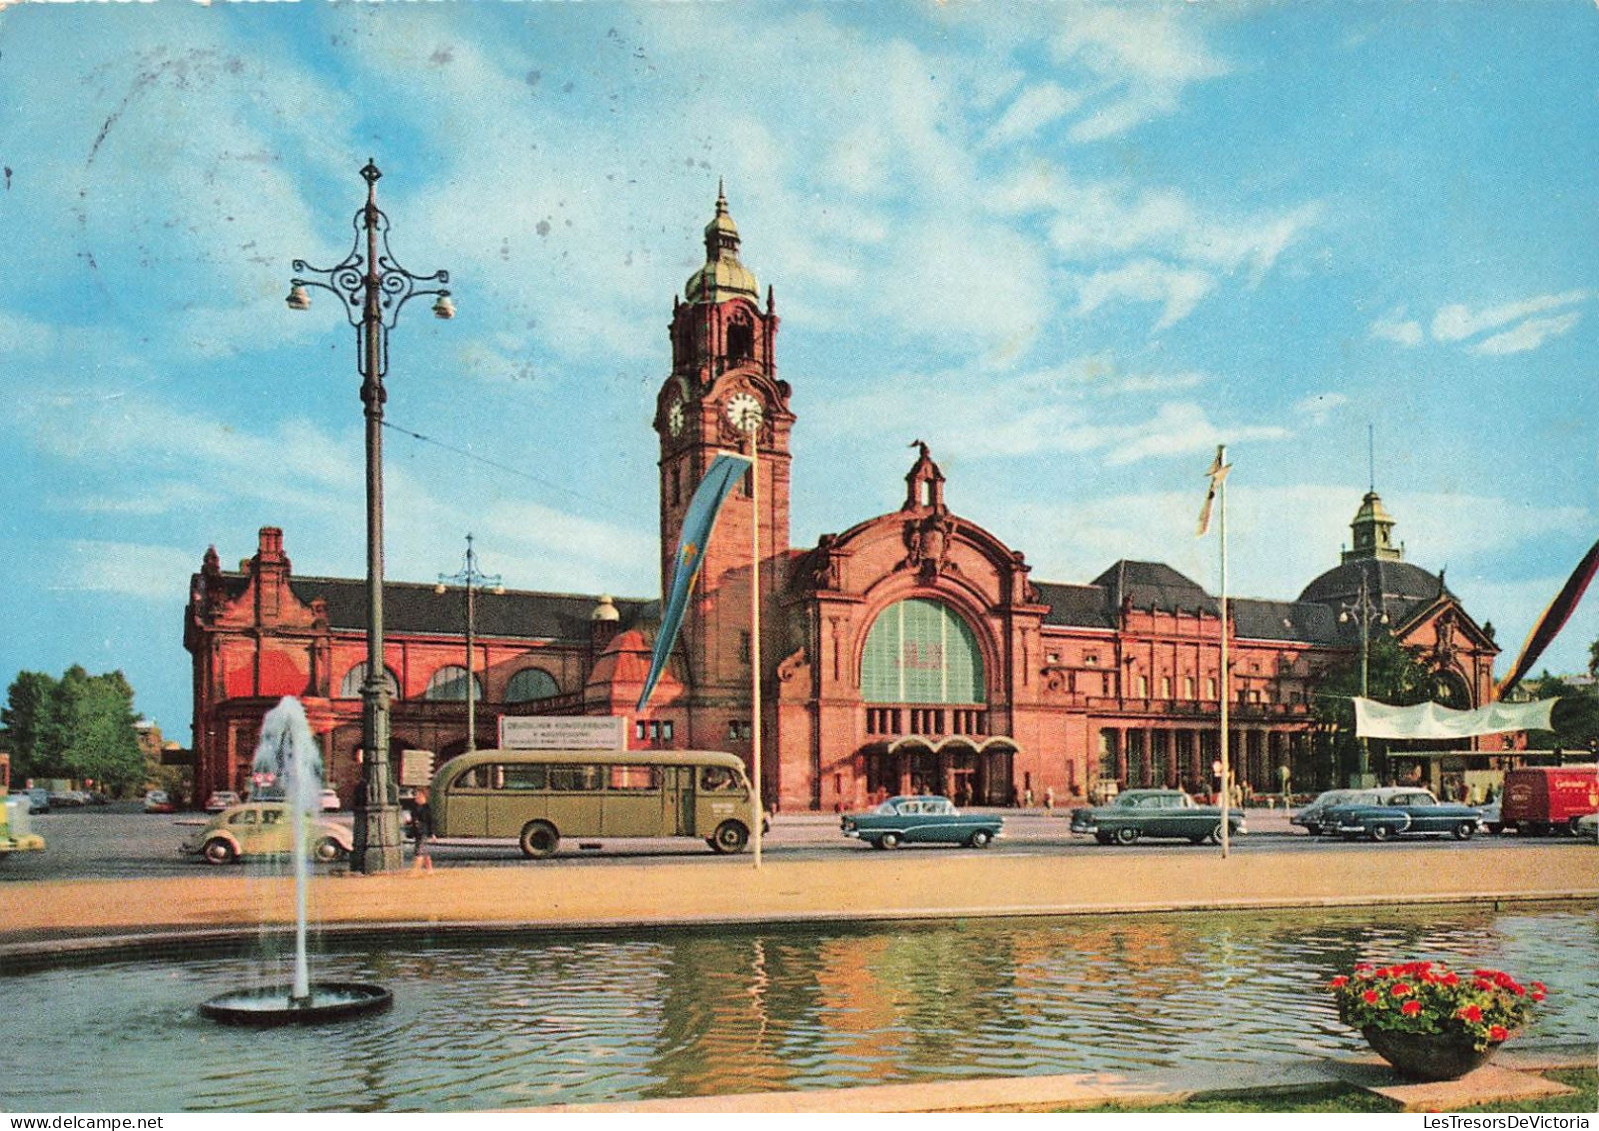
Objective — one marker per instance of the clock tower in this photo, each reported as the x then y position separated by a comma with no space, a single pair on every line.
723,394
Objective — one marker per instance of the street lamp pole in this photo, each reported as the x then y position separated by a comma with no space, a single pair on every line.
1363,610
472,579
373,288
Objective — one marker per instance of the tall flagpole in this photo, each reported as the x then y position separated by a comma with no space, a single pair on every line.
1226,682
755,631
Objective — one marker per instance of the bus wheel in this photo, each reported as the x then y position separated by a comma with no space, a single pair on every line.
730,836
539,839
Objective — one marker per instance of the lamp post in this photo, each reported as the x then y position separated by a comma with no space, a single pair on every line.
373,288
1363,611
470,578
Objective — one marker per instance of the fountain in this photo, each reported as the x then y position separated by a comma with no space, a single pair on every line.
288,763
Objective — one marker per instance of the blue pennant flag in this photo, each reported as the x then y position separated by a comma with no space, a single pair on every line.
703,508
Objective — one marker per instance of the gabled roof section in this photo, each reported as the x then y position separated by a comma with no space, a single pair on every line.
1076,606
413,608
1155,585
1284,620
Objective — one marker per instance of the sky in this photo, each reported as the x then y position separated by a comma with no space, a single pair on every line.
1071,246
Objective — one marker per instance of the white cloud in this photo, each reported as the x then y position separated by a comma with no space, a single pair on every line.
145,573
1033,109
1457,322
1398,329
1140,59
1319,406
1529,335
1147,280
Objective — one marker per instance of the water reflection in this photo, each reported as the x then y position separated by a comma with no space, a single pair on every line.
576,1019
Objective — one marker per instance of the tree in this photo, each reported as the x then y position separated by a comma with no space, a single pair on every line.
1575,718
1593,659
79,726
1393,676
26,718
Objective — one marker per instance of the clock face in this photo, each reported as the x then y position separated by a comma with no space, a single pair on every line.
744,411
674,418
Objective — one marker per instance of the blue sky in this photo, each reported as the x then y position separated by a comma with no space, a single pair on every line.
1071,246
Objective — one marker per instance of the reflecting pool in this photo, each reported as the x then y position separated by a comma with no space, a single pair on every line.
562,1019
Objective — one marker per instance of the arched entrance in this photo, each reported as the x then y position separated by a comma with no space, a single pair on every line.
966,770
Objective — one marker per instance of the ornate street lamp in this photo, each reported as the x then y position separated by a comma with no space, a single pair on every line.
1363,611
469,577
373,288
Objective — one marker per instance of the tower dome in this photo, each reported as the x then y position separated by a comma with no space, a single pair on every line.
723,276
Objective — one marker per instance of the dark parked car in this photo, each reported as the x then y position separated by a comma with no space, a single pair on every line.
1312,817
38,800
1403,812
921,820
1167,813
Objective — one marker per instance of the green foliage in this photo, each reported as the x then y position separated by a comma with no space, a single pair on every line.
1485,1007
1575,717
1393,676
26,718
79,727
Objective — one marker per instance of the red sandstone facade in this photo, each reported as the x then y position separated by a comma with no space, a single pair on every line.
912,651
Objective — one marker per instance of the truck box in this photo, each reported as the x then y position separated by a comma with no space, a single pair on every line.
1539,800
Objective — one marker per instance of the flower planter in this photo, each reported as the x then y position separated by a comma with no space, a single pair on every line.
1427,1056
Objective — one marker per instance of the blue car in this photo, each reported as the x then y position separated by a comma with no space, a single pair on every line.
921,820
1403,812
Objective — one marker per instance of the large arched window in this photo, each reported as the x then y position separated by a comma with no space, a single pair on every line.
350,688
920,651
449,682
529,684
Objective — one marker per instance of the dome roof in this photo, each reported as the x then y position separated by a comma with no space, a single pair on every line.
1398,585
723,276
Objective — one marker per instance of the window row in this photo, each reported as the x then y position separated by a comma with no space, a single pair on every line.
451,681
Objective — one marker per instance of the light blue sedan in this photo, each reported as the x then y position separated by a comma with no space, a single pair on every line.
921,820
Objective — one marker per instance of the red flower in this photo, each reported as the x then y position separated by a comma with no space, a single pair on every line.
1340,981
1538,995
1450,979
1371,997
1517,990
1539,987
1498,1033
1401,989
1485,973
1504,980
1410,1008
1470,1013
1361,967
1483,985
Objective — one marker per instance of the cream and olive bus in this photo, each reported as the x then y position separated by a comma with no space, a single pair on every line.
540,796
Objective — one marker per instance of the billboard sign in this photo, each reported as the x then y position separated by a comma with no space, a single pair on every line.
563,732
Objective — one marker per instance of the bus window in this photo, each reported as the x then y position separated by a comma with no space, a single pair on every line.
714,779
475,778
635,777
577,779
522,777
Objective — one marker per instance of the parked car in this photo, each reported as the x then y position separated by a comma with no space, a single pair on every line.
1312,817
68,799
1403,812
38,800
1491,821
221,799
1539,800
1586,827
157,801
264,828
921,819
330,801
1167,813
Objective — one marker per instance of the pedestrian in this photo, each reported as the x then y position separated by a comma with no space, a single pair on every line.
1049,798
421,832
